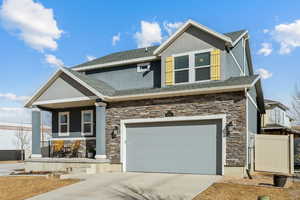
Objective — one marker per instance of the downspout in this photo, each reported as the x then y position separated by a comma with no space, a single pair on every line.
247,132
248,164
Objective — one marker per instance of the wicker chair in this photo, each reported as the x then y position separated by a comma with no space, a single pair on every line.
75,148
58,148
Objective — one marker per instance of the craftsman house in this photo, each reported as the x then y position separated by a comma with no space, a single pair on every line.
189,105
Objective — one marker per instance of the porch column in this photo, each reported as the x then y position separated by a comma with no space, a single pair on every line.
100,130
36,133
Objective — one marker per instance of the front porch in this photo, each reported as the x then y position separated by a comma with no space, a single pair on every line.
77,131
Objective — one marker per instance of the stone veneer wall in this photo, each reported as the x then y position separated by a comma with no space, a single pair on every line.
232,104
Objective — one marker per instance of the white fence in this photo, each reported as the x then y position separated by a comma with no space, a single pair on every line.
274,153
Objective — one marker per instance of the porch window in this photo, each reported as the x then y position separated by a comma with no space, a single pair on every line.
87,122
63,123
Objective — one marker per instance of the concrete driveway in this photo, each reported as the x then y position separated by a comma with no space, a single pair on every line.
117,186
6,169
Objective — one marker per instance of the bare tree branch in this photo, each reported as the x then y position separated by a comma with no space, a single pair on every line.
22,139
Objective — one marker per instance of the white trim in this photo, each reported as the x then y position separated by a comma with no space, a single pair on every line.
139,69
181,93
239,38
191,67
73,138
111,64
82,122
239,66
83,83
183,28
123,124
100,156
66,100
42,88
247,128
255,80
35,156
252,101
68,124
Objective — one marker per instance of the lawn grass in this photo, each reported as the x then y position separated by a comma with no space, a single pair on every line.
232,191
23,187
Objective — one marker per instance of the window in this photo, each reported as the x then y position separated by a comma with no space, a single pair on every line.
192,67
181,69
63,123
87,122
202,66
143,67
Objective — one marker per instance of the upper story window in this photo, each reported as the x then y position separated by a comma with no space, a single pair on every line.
143,67
192,67
63,123
87,122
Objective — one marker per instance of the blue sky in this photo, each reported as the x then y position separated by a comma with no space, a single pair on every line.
37,35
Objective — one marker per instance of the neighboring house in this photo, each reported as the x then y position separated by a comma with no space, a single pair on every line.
277,120
13,134
188,105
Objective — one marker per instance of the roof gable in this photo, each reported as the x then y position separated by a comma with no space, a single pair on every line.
60,89
183,28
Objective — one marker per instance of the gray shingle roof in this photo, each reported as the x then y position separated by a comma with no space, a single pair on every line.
139,53
119,56
233,81
235,35
107,90
98,85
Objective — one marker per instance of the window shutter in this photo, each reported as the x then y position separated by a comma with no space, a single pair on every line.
169,80
215,60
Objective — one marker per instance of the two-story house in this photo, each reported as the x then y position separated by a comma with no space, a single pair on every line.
188,105
277,120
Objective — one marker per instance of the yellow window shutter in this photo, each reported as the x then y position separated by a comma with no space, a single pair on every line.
169,80
215,61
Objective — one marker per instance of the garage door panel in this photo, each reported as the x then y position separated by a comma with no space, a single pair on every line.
174,147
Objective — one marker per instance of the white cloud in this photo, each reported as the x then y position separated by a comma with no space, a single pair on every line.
115,39
264,74
14,115
150,34
266,49
89,57
53,60
288,36
172,27
13,97
33,23
266,31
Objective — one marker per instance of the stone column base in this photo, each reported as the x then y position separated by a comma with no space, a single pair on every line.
100,157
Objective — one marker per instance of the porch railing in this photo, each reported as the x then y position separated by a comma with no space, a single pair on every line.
58,149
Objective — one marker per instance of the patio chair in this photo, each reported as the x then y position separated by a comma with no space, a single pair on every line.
58,148
75,148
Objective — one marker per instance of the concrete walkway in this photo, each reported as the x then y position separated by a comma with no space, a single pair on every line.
117,186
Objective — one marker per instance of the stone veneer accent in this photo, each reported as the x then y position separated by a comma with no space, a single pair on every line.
232,104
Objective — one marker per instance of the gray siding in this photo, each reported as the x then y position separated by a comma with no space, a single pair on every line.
230,68
75,121
175,147
60,89
252,117
127,77
191,40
